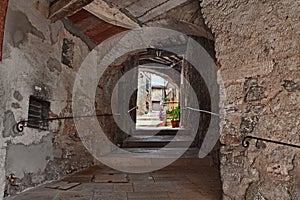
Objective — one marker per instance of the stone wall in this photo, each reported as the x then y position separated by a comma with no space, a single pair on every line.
106,85
143,92
258,47
204,82
39,58
199,86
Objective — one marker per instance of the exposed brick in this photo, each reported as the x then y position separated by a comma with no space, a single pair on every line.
3,8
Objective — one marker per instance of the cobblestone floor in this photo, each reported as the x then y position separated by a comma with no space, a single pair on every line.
186,179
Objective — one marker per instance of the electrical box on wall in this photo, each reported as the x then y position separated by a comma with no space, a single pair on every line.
38,113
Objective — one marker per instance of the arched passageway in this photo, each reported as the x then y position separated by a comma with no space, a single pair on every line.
257,47
59,150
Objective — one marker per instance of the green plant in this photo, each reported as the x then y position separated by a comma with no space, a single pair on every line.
176,113
169,112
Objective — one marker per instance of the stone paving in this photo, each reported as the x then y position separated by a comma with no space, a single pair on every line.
187,179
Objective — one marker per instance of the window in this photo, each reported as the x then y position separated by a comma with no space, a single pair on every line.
37,113
147,84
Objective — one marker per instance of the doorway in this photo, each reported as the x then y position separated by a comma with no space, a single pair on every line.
157,98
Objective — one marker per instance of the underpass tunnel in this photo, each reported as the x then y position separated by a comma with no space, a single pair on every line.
44,151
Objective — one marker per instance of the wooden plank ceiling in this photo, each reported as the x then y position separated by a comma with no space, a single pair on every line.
93,27
158,56
98,30
145,10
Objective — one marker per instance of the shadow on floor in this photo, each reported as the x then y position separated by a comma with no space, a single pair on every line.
186,179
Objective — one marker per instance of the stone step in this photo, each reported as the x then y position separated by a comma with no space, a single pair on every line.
147,118
163,131
167,152
150,152
157,141
152,114
149,123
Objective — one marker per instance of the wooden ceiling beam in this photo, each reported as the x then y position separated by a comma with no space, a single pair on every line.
151,61
176,57
152,53
160,61
65,8
168,58
111,14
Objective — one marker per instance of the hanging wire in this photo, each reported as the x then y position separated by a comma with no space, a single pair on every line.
132,109
203,111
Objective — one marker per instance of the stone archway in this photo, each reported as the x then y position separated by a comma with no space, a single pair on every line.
257,46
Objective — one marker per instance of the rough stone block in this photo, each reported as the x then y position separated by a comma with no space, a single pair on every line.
248,124
291,86
9,123
67,52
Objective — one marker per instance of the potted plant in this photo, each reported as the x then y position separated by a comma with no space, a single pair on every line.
176,117
169,114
